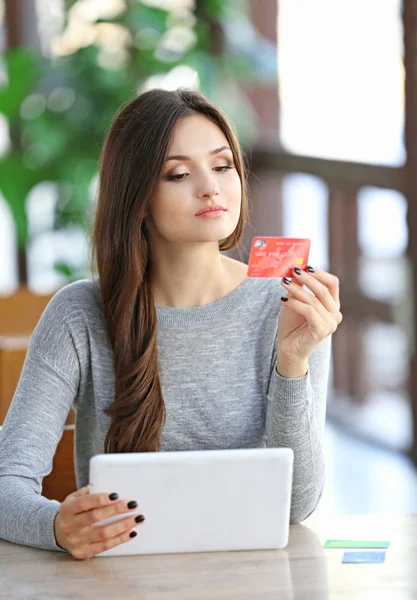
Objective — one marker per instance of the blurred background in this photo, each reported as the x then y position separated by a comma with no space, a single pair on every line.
323,95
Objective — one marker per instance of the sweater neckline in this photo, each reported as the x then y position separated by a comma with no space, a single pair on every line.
169,316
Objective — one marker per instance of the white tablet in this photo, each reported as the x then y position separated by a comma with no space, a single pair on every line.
201,501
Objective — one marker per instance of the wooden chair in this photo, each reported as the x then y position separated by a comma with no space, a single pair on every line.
61,481
19,314
21,311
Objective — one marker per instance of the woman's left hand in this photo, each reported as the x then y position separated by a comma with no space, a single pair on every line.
307,318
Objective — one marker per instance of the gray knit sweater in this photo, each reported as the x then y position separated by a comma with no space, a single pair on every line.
219,383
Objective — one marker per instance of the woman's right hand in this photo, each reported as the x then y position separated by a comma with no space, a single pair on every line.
74,529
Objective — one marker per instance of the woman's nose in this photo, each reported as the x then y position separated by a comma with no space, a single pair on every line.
208,187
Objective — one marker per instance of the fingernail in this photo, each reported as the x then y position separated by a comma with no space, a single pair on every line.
133,534
139,519
311,269
113,496
132,504
284,299
297,271
286,280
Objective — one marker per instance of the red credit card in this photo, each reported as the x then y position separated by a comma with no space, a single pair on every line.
277,256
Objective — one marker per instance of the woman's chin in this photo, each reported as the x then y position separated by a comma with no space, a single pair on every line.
201,235
216,231
214,238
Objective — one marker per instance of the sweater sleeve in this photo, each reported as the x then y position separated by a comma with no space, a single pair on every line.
33,427
296,418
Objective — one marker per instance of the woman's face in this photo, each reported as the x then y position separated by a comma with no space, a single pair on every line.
198,196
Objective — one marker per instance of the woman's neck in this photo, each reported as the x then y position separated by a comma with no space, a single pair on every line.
192,276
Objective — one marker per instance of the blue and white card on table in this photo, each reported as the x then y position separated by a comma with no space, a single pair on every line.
363,557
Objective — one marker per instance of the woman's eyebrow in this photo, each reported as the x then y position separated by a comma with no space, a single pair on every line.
184,157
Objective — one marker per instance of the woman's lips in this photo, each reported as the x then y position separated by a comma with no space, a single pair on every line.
212,214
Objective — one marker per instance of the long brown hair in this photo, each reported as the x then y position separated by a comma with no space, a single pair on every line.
131,162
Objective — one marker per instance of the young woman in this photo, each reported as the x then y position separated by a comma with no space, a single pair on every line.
172,347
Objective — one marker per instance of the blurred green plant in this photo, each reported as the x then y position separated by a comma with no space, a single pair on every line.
60,107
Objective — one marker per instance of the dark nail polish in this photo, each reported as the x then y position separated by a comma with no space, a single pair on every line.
284,299
113,496
286,280
139,519
133,534
132,504
311,269
297,270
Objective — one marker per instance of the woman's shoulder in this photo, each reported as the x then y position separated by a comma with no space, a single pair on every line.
77,299
83,291
267,291
73,311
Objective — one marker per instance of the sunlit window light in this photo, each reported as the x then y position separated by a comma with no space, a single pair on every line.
82,31
176,42
51,21
181,76
91,10
77,35
171,5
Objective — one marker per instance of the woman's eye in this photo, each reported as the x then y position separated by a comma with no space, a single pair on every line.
181,176
177,177
223,168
